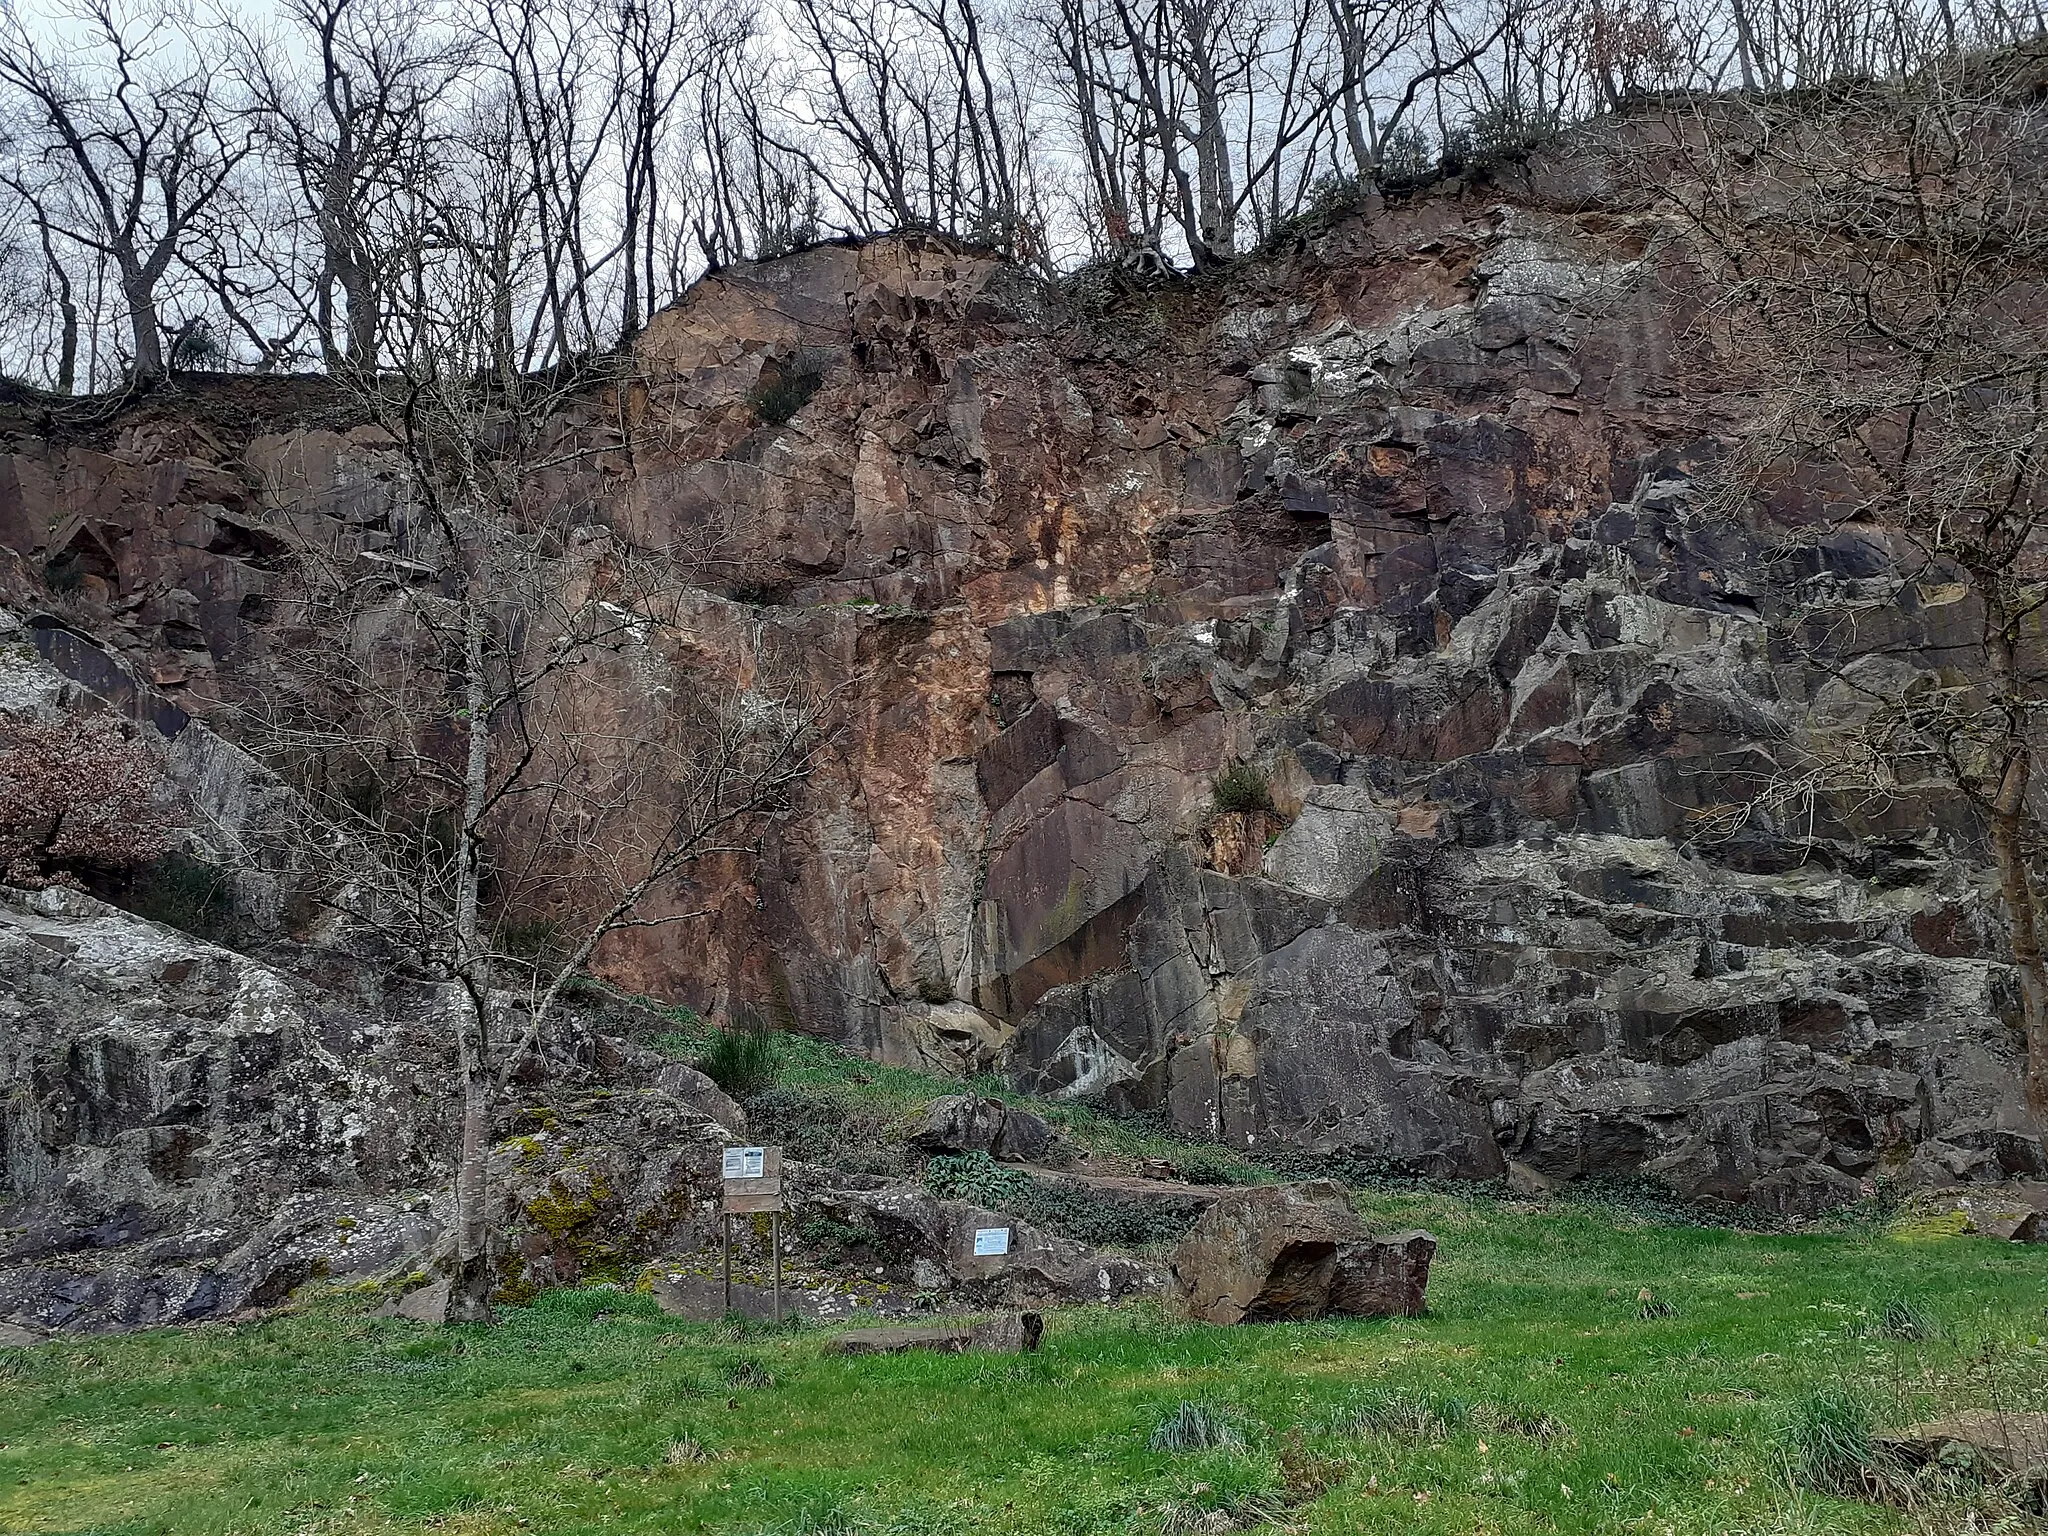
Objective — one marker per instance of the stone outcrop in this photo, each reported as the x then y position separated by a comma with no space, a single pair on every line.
1403,527
1292,1253
929,1244
1997,1446
2016,1213
188,1132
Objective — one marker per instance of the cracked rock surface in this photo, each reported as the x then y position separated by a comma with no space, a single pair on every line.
1408,518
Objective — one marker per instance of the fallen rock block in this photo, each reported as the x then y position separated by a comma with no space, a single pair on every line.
1013,1333
423,1304
1998,1214
1998,1447
12,1337
966,1122
1295,1252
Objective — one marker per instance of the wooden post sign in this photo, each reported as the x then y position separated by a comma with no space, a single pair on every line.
752,1186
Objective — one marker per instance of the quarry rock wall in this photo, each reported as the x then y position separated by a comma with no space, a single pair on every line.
1401,520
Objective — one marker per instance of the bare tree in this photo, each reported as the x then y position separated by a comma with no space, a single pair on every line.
444,715
343,133
132,114
654,55
1882,256
754,200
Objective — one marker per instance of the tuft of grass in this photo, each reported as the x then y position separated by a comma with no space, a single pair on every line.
1543,1429
1242,787
1406,1416
1195,1427
1906,1319
1827,1442
687,1451
741,1061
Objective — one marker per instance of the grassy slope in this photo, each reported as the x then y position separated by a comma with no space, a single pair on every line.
561,1420
828,1105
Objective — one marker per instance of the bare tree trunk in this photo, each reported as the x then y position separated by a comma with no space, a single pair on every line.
2016,881
67,311
2008,841
470,1293
472,1274
140,294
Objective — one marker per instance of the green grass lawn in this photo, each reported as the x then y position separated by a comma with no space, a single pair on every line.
1534,1397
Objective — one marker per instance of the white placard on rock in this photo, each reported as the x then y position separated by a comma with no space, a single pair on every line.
989,1241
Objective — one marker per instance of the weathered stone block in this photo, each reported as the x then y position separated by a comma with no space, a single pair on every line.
1294,1253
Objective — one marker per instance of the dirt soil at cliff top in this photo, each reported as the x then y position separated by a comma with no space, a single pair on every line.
1536,1396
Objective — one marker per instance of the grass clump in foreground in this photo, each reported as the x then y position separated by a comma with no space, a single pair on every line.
1534,1398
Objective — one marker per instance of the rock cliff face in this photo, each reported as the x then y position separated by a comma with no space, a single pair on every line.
1404,520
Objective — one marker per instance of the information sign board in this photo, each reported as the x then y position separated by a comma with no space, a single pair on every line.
753,1180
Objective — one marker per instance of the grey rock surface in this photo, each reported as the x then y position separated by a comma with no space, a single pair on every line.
930,1243
970,1123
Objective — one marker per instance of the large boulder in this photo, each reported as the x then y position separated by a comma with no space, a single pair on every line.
1294,1252
967,1122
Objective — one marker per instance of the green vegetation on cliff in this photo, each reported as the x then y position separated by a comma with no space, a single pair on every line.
1541,1394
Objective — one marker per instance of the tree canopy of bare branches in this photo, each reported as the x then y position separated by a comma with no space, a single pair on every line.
192,189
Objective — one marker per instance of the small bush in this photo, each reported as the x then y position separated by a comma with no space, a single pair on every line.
1195,1427
1242,787
837,1239
779,399
1498,136
1203,1166
741,1061
78,794
975,1176
182,892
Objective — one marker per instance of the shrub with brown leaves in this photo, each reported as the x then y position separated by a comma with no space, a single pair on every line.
77,794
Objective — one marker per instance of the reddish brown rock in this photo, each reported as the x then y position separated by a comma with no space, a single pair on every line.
1291,1253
